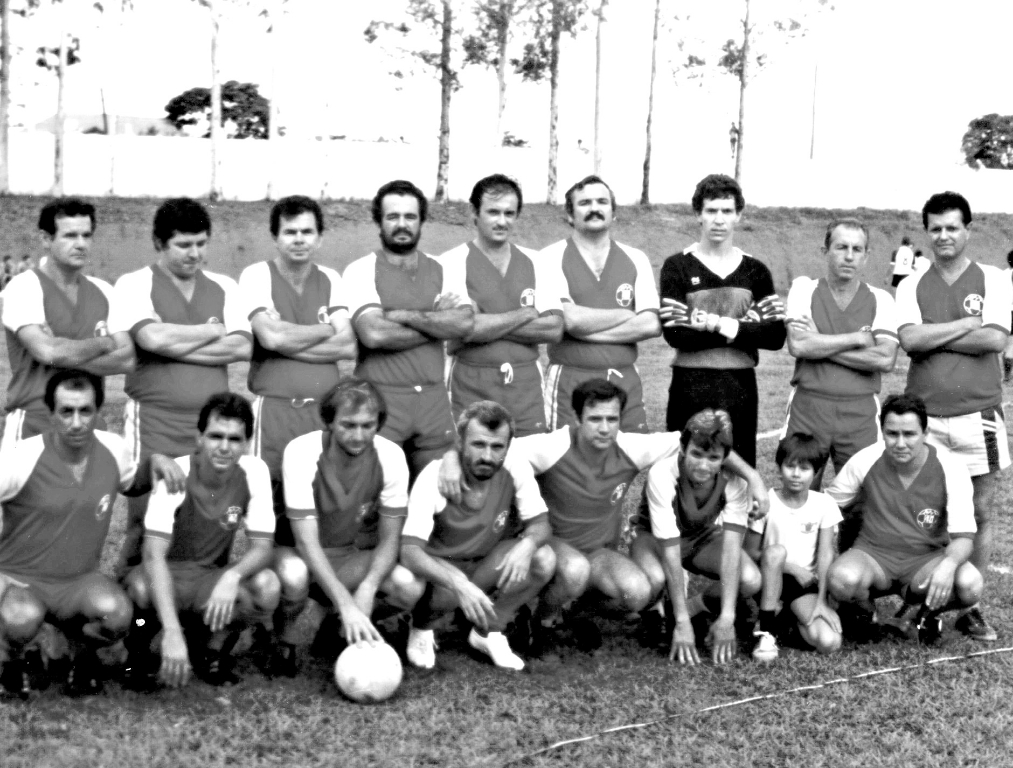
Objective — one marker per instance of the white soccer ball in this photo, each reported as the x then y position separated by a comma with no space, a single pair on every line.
368,673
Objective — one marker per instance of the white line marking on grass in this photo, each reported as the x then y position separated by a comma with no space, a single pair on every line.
739,702
1000,569
768,434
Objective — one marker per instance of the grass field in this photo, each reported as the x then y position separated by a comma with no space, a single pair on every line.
467,713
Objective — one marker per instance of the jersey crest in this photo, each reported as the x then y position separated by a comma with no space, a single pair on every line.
809,526
101,329
973,303
213,321
929,519
501,521
618,493
363,511
102,509
624,295
528,297
230,521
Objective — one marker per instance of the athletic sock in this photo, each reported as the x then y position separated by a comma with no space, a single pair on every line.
767,621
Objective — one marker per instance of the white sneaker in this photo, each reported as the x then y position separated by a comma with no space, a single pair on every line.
766,646
495,646
421,648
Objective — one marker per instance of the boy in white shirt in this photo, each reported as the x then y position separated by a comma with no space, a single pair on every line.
794,545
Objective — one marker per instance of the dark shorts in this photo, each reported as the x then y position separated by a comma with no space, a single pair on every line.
419,420
896,280
900,568
561,380
338,557
64,598
842,426
692,545
694,389
791,590
518,389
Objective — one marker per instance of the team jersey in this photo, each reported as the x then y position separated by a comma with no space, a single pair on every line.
798,530
201,522
870,309
373,285
274,374
955,383
674,510
150,296
687,279
456,532
586,502
52,525
527,283
345,494
32,298
916,520
626,282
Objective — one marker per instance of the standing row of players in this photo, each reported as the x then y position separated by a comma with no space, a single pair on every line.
174,328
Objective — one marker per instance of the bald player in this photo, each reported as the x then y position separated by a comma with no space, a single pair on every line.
57,317
404,304
610,303
187,325
516,308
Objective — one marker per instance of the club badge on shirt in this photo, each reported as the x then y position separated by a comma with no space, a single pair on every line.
528,297
973,303
617,494
929,519
230,521
624,295
501,520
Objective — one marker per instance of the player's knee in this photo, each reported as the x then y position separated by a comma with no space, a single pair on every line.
843,582
543,564
750,580
137,589
823,638
406,589
773,556
265,589
968,584
636,591
113,608
573,573
21,615
293,575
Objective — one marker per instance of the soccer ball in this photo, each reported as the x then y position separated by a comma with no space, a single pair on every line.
368,673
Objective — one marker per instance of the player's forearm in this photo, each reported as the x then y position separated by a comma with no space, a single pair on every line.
444,324
959,550
581,321
176,341
766,334
233,348
73,353
812,345
489,327
308,547
881,358
731,554
539,532
386,552
162,592
644,325
925,337
257,558
377,332
329,351
289,338
979,342
120,360
543,330
671,563
824,559
428,568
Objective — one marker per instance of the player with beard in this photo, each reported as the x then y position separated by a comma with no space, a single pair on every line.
486,553
404,304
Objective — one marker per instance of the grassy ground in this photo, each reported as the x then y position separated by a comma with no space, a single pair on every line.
467,713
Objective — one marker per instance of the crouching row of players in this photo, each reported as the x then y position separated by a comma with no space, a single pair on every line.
478,533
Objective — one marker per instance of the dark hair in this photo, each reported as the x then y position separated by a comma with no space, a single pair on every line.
495,185
295,205
901,404
717,186
586,182
180,214
488,413
404,189
352,393
708,429
226,405
942,202
800,446
76,380
61,208
905,240
847,223
596,391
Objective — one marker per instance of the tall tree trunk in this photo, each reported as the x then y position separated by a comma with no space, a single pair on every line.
645,192
446,89
743,81
61,72
597,88
555,35
503,37
5,96
216,109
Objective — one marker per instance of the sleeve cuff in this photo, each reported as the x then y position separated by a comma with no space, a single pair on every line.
393,511
300,514
414,540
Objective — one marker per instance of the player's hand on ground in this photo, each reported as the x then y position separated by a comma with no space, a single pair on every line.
175,670
475,604
221,604
450,480
684,645
673,313
513,570
938,586
722,640
357,627
823,611
169,472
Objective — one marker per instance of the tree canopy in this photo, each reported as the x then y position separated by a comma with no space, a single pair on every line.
988,142
245,113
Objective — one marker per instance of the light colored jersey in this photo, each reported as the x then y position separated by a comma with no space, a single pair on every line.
903,260
31,298
675,513
527,283
954,383
626,282
373,285
52,525
201,522
798,530
456,532
586,503
920,519
346,494
870,309
150,296
273,374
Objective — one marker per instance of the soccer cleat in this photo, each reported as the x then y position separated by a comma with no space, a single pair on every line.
421,649
928,626
85,676
218,668
973,624
766,646
586,635
328,642
14,679
495,646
